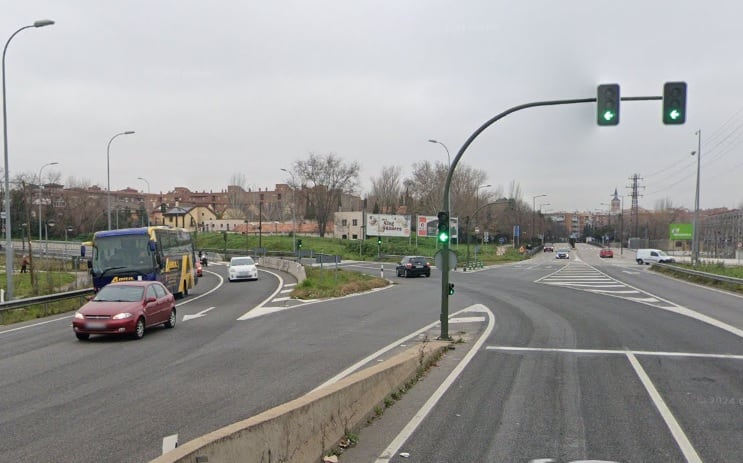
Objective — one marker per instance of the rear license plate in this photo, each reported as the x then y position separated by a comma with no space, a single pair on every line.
95,325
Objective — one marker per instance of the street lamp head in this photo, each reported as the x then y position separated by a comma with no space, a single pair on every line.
52,163
129,132
693,153
284,170
432,141
43,22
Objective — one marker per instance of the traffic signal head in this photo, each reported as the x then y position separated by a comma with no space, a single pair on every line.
379,241
443,235
299,244
674,103
607,107
451,289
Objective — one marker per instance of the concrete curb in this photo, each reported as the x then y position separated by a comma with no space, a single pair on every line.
302,430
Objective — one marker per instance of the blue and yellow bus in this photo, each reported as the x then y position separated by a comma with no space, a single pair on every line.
157,253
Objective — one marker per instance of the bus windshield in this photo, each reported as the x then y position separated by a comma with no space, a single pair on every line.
130,252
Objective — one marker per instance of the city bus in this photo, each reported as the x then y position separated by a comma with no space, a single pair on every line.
157,253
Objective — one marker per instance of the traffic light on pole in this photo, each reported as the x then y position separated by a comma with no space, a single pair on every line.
299,244
451,289
607,107
443,227
379,241
674,103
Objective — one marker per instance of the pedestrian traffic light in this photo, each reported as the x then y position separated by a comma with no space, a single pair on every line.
607,107
299,244
674,103
163,208
379,241
451,289
443,227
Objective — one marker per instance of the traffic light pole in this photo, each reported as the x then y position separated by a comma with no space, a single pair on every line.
444,316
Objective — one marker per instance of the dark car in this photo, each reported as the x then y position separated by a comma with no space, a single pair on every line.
126,307
413,266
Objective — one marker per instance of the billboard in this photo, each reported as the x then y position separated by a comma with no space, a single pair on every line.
680,231
428,225
387,225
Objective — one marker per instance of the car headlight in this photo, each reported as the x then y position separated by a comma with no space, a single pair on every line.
79,316
122,316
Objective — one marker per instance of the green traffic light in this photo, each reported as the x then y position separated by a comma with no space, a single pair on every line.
443,237
674,114
609,115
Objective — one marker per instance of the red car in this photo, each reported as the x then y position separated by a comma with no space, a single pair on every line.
606,252
126,307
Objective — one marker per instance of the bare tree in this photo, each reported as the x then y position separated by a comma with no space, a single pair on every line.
387,189
325,178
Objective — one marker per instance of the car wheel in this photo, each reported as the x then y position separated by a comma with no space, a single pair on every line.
82,336
405,273
139,329
171,320
639,261
428,275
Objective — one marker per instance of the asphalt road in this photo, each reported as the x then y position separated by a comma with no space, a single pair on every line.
590,360
587,359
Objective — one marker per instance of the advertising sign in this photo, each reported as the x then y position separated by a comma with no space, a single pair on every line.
387,225
681,231
428,225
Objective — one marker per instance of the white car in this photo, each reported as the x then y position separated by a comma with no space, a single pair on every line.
562,254
242,268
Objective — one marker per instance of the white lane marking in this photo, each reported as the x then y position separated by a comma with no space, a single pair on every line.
466,320
284,291
615,352
290,285
198,314
678,434
281,299
410,428
278,288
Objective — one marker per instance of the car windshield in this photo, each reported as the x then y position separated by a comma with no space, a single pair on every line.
562,250
242,261
119,294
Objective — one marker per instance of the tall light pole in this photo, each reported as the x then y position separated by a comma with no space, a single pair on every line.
695,229
108,174
8,234
145,203
40,187
294,206
534,213
540,212
448,159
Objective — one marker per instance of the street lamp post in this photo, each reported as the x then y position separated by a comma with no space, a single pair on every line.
40,187
108,174
534,212
695,229
294,206
8,234
540,213
448,158
145,203
477,201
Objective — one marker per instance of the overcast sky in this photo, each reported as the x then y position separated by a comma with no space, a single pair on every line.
218,87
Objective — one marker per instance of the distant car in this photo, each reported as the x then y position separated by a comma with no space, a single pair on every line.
242,268
126,307
562,254
549,248
606,252
413,266
199,269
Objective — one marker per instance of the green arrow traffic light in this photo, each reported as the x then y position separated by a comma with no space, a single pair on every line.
607,104
443,235
609,115
674,103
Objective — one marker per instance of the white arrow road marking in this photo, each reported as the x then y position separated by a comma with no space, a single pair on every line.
197,315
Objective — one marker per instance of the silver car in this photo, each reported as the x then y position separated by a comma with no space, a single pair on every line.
562,254
242,268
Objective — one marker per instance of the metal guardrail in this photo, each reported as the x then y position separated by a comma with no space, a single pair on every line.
21,303
697,273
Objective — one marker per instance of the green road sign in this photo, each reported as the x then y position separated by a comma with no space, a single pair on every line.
681,231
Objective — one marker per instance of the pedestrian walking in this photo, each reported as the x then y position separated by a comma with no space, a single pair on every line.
24,264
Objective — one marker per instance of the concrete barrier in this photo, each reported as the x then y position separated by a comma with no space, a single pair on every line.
294,268
303,430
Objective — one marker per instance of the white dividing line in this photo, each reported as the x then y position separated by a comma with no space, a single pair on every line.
246,315
615,352
678,434
410,428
